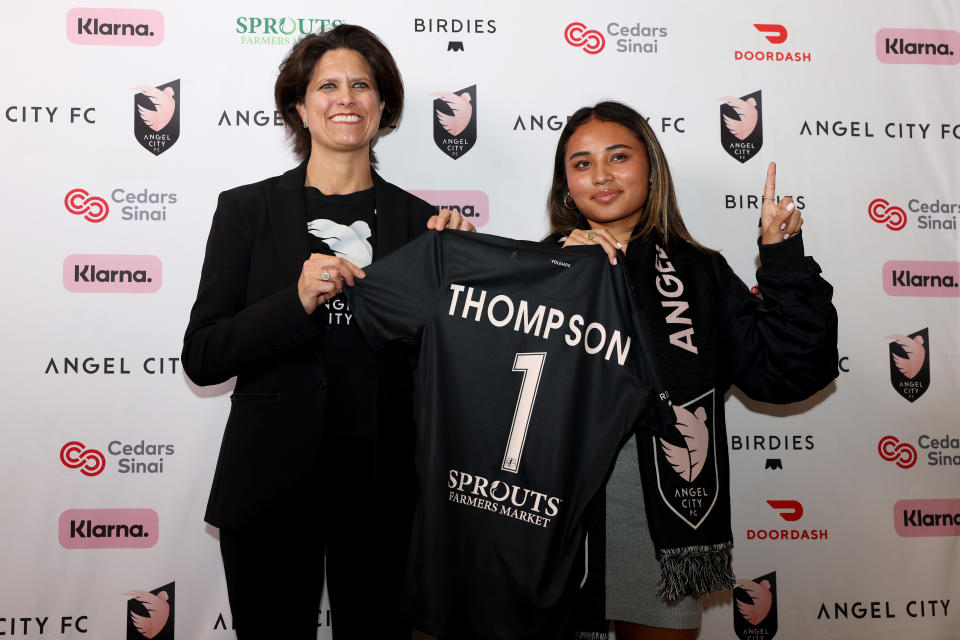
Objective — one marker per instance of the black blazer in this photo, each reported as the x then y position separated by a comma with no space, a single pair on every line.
248,322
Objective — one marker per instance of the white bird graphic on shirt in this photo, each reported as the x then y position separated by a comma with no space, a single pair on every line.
747,110
158,611
462,112
916,354
349,242
164,104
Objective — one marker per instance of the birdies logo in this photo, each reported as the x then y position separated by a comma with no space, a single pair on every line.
686,463
755,614
741,125
150,613
910,364
455,121
156,116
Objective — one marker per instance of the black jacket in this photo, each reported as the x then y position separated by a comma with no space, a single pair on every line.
248,322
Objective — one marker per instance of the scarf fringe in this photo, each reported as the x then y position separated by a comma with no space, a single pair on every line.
695,570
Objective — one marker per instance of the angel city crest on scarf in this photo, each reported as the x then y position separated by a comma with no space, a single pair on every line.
686,461
156,116
455,120
741,125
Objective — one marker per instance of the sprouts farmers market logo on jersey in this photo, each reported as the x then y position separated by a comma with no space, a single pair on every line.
121,27
623,37
85,273
921,278
108,528
918,46
280,30
474,206
775,34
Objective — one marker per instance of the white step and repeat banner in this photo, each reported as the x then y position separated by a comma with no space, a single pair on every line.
846,508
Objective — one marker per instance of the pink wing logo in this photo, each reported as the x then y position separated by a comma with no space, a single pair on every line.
761,601
462,112
688,461
158,611
163,103
916,354
747,110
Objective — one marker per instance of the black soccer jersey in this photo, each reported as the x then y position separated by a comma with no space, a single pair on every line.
534,369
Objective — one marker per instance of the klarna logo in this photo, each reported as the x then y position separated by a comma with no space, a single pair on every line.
109,528
118,27
83,273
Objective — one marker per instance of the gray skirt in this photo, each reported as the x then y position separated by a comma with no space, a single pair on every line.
631,566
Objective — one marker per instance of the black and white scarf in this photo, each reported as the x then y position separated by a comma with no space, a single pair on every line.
685,473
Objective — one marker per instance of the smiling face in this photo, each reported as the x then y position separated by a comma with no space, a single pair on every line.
341,106
608,174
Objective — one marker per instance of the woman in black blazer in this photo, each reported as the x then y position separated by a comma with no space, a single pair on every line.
316,459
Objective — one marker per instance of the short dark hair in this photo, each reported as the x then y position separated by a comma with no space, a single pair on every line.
297,69
661,210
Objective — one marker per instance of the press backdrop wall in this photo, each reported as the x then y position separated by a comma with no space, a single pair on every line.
861,541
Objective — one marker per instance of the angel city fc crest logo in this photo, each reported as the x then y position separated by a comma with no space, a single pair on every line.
150,613
755,610
455,121
686,461
910,363
741,126
156,116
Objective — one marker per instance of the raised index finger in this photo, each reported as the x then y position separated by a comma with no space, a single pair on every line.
770,186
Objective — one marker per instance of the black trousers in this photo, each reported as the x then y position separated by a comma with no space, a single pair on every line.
275,581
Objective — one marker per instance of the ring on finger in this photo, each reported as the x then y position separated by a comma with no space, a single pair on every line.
770,198
591,234
325,276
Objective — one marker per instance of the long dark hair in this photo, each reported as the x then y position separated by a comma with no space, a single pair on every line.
297,69
660,212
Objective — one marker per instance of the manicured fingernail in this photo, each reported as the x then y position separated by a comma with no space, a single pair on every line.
786,235
619,246
790,206
614,261
783,226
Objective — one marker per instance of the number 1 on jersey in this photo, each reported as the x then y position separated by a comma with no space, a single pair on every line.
531,366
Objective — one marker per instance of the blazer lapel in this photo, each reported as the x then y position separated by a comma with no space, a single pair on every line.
287,210
391,217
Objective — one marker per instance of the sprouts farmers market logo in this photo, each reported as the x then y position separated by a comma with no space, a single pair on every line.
918,46
280,30
921,278
474,206
108,528
156,116
624,37
775,34
85,273
119,27
925,215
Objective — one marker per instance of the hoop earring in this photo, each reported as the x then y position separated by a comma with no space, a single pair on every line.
568,203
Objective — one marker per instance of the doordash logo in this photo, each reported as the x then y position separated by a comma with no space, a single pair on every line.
84,273
775,34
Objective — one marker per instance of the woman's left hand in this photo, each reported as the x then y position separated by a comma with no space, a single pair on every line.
447,219
778,220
